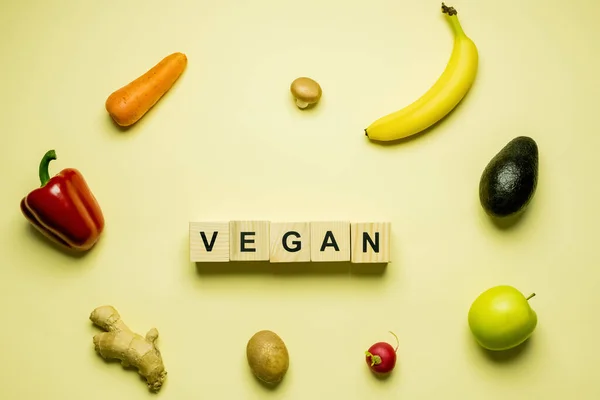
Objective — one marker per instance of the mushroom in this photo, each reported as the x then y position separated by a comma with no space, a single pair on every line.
306,91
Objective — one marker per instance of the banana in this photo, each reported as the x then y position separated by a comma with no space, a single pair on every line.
441,98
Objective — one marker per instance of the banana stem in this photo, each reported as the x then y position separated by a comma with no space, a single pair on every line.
449,10
452,17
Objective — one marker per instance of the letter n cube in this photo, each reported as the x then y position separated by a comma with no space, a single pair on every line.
370,242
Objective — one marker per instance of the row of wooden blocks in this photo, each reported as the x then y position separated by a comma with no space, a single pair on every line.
322,241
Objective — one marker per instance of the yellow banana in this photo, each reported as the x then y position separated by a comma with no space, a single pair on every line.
441,98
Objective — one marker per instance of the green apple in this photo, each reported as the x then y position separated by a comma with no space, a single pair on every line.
501,318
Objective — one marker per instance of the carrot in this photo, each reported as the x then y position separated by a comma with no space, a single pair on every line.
128,104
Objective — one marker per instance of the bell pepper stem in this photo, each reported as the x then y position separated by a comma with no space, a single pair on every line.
44,164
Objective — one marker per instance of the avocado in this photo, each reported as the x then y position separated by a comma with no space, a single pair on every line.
509,181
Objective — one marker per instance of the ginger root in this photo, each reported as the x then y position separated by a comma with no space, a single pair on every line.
132,349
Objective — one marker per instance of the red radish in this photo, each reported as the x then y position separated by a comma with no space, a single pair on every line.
381,357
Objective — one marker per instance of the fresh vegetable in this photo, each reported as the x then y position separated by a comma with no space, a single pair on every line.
381,357
130,103
509,181
64,209
133,350
445,94
306,91
267,356
502,318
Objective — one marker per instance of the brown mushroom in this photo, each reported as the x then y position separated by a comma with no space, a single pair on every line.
306,92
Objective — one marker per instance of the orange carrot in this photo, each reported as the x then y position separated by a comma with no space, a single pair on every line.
128,104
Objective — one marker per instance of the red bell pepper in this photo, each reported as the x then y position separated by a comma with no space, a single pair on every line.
64,209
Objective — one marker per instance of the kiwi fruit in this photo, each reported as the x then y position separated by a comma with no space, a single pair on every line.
267,356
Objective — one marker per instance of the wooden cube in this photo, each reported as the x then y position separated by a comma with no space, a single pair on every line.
330,241
290,242
370,242
249,240
209,241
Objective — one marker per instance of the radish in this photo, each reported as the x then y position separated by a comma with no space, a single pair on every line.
381,357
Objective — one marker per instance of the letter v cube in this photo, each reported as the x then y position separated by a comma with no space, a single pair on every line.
209,241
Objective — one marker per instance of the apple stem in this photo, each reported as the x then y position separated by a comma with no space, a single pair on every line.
375,360
530,296
397,342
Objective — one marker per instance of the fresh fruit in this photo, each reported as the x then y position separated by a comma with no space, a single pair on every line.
130,103
509,181
502,318
441,98
381,357
267,356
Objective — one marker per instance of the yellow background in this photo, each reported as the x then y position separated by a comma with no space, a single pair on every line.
228,143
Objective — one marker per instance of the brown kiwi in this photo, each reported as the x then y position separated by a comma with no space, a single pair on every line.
267,356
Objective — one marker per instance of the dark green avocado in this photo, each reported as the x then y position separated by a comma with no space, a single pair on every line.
509,181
